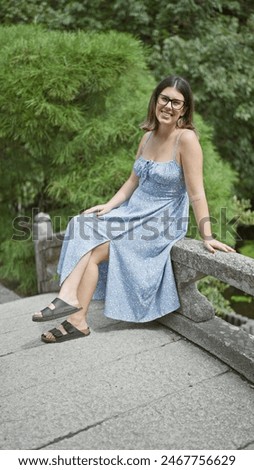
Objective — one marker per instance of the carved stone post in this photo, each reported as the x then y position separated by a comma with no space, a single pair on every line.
194,305
42,230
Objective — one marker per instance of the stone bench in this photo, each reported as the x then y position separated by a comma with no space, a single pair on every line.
191,262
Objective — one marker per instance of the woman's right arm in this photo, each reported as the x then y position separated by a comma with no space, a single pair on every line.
123,193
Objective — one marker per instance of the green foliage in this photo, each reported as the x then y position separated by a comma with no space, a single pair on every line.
69,104
213,289
69,113
241,298
247,249
243,210
209,42
18,265
66,100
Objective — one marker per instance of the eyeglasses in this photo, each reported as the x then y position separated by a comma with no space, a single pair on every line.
176,104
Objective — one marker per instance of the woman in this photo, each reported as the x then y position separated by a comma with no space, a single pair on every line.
135,230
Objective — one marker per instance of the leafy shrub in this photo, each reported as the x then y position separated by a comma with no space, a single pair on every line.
67,99
213,290
70,102
247,249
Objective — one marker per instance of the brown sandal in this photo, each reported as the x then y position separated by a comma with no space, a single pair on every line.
61,309
59,337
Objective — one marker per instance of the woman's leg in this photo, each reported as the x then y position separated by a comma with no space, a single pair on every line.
69,289
86,288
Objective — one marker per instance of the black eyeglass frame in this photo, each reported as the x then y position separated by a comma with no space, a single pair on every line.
171,101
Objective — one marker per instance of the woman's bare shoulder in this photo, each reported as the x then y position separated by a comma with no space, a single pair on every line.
189,142
188,136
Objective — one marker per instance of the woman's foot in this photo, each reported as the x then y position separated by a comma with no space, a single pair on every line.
74,327
58,308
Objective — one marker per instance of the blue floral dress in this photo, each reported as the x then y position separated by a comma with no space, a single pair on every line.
137,282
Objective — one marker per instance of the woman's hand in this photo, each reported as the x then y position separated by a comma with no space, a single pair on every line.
213,245
101,209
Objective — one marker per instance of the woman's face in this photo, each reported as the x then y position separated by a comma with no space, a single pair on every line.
169,106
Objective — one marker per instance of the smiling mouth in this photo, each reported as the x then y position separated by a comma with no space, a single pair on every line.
166,114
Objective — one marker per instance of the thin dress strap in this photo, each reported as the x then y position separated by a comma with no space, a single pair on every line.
176,144
143,146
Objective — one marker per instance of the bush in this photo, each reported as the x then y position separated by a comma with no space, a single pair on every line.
67,100
69,104
213,290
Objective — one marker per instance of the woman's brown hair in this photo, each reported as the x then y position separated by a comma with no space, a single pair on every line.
181,85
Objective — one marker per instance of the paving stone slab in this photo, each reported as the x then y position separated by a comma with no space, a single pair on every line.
86,381
208,415
124,386
7,295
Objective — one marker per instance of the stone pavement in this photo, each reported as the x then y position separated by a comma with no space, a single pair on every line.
126,386
7,295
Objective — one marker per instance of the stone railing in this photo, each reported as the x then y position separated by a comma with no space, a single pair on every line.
47,247
191,262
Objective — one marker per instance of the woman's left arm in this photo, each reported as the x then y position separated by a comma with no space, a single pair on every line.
192,163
